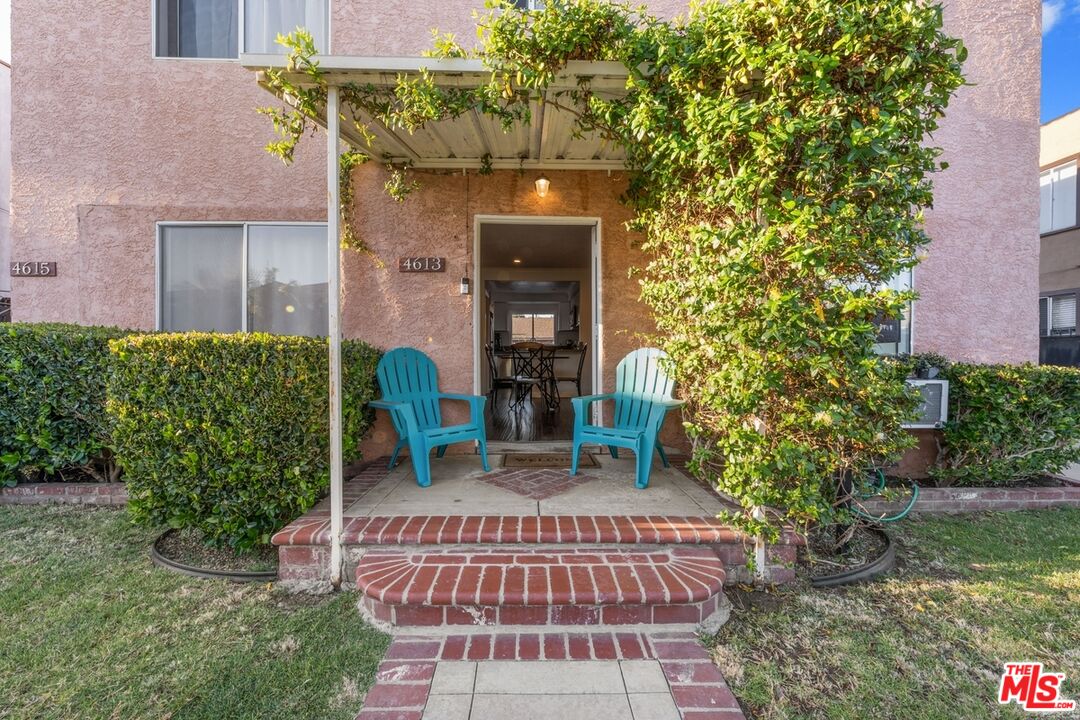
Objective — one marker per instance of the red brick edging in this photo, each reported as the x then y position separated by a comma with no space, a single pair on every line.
959,500
403,681
58,493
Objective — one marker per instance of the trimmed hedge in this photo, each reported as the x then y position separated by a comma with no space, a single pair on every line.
229,434
1007,423
52,401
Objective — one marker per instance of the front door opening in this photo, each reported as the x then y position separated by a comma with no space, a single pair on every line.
536,312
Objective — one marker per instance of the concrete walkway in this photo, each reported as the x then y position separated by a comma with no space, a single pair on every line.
549,676
594,689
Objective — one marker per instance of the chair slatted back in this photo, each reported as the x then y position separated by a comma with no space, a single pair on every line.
408,375
639,382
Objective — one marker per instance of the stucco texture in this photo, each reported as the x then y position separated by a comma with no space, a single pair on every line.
107,141
979,283
426,310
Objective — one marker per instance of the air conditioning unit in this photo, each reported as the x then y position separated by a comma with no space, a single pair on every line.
933,408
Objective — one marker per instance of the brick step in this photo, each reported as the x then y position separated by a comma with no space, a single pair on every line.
564,586
314,529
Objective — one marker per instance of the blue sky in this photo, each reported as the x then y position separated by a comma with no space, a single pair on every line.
1060,57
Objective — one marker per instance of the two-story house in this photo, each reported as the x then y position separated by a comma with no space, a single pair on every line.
139,169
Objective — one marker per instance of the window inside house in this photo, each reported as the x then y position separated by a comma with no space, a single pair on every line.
197,28
1057,198
896,333
266,277
536,327
265,19
1057,314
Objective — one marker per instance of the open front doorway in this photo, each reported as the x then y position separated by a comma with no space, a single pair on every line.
537,319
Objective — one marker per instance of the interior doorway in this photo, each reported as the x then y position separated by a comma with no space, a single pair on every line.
537,322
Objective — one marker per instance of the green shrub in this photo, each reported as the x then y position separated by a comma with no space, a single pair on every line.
229,434
52,401
1008,423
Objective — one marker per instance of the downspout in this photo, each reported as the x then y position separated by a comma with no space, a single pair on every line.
333,251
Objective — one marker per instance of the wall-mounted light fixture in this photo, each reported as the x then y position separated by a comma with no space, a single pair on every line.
542,186
517,261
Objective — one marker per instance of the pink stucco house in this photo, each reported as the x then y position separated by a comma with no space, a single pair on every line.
139,169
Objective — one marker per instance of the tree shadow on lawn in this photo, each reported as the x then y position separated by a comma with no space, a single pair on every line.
970,593
91,629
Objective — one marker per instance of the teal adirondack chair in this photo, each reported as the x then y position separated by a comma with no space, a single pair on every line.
643,396
410,392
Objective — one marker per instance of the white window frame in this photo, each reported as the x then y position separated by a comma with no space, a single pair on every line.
1048,329
245,225
532,314
240,40
1051,171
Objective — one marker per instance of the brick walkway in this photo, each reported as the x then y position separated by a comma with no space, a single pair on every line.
549,676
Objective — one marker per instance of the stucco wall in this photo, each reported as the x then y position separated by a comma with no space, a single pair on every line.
390,308
5,178
107,141
980,281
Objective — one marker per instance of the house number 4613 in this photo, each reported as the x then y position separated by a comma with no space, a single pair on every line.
33,269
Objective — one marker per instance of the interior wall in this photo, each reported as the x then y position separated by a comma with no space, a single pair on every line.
585,311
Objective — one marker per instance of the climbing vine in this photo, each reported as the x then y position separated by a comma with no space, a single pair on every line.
780,158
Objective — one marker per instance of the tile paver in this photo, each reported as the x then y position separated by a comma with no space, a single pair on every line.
653,706
454,678
551,707
643,676
448,707
567,677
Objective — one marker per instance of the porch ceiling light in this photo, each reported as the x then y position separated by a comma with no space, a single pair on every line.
542,186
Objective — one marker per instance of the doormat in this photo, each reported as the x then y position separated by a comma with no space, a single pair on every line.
546,460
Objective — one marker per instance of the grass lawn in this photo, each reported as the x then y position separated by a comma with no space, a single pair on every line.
928,642
90,629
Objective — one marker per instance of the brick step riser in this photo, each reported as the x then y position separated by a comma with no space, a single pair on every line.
540,615
302,563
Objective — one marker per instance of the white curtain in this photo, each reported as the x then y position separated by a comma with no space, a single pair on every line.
202,281
264,19
287,287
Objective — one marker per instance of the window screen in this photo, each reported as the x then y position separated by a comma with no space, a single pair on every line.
197,28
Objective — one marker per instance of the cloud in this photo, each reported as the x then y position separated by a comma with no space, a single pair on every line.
1051,14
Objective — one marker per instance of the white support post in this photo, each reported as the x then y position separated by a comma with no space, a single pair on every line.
333,251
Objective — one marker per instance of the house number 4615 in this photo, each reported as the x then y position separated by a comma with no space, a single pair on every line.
33,269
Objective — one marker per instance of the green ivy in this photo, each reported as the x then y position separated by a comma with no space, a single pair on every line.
229,434
52,402
780,158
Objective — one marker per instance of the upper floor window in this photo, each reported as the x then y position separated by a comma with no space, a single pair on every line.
1057,198
197,28
212,28
231,277
264,19
529,4
1057,314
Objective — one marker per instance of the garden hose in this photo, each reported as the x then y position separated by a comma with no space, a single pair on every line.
876,488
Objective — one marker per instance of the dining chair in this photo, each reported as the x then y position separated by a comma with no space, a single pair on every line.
534,365
497,381
576,379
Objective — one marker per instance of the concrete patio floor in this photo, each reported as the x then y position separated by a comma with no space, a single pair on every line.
461,487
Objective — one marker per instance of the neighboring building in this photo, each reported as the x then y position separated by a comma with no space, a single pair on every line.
5,190
1059,258
139,168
